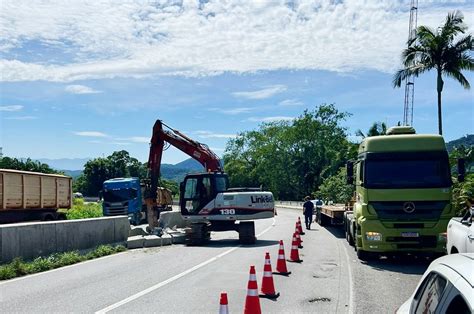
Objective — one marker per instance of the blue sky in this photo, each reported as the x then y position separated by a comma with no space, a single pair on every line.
84,80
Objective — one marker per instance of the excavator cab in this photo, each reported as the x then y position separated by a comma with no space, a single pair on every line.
197,190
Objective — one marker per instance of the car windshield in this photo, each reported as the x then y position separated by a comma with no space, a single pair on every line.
407,173
119,195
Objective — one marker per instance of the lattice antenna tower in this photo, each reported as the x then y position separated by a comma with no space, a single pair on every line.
410,80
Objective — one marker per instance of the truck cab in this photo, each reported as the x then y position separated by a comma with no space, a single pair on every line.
403,194
123,196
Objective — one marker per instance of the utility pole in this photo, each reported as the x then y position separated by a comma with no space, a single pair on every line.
410,80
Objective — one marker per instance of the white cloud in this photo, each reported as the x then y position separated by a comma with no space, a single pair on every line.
209,134
107,39
22,118
11,108
135,139
291,103
270,119
91,134
80,89
262,93
233,111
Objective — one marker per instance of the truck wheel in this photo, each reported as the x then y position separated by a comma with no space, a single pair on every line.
323,220
364,255
247,232
349,237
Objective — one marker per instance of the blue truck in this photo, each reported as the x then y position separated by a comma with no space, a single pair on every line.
124,196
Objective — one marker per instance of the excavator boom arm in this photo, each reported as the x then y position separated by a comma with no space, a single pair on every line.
196,150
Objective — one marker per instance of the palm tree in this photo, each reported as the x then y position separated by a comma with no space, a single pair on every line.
438,50
377,128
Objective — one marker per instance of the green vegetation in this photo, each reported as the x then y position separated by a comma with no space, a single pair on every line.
378,128
19,268
437,50
291,159
97,170
80,210
26,165
336,189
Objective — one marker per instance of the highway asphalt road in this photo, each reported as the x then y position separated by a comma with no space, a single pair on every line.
180,279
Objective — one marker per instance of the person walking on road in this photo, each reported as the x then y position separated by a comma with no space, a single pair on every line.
308,208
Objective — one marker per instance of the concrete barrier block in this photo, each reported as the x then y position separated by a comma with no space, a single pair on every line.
166,239
121,229
171,219
138,230
135,242
10,244
178,237
37,240
152,241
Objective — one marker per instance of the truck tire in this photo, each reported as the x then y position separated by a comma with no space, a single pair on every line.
324,220
349,236
364,255
247,232
197,234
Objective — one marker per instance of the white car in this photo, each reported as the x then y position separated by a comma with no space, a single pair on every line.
447,286
461,234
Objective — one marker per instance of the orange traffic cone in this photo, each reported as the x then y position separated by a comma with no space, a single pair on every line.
294,255
281,262
223,309
268,288
298,239
300,229
297,230
252,302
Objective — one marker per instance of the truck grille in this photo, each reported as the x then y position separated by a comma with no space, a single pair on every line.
110,210
424,210
412,243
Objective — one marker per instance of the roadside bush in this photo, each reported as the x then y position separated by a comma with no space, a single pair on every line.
80,210
19,268
463,195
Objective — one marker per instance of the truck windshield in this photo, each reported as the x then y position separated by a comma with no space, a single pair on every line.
119,195
407,173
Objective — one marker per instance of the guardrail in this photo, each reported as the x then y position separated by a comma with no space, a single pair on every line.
290,203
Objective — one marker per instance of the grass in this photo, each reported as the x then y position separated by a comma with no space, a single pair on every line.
80,210
18,267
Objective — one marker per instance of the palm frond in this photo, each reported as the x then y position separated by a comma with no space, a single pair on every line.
465,43
458,76
453,25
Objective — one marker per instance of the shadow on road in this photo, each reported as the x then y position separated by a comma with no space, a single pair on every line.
338,232
406,264
233,242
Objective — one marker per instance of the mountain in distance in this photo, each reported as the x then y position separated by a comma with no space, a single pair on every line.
466,141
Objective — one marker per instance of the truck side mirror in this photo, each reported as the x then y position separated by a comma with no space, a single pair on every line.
461,169
350,172
181,188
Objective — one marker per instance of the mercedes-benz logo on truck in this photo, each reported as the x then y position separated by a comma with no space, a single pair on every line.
408,207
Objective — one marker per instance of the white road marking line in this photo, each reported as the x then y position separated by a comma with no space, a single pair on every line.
60,268
351,283
174,278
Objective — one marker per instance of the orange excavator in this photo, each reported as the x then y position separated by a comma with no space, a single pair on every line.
206,201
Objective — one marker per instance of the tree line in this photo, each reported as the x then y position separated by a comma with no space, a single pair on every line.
291,158
117,165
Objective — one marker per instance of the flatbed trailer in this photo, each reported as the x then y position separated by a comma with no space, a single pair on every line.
331,214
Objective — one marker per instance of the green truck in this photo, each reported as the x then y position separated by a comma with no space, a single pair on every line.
403,194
